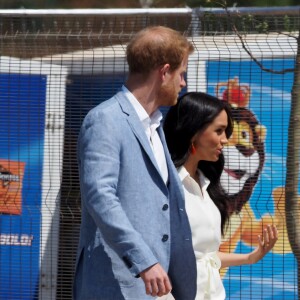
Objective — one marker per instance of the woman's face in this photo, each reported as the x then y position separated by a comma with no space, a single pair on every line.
209,143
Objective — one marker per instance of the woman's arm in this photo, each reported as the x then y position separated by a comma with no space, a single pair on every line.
265,244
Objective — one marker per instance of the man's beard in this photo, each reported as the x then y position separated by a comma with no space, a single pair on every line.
167,95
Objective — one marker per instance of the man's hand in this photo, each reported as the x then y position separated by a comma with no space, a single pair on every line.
156,281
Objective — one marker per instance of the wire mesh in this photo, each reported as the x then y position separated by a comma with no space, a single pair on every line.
55,66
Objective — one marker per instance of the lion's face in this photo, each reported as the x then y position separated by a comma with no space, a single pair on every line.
238,169
244,157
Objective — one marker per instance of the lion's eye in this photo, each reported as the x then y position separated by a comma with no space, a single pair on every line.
245,135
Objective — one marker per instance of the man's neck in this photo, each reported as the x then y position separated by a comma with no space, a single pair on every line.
145,92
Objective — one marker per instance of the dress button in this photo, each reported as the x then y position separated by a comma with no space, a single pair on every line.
165,207
165,238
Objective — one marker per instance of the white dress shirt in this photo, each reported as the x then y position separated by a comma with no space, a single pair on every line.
150,124
205,221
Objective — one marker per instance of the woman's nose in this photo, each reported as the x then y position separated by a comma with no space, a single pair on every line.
224,140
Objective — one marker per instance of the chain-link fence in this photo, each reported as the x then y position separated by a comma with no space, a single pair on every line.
57,64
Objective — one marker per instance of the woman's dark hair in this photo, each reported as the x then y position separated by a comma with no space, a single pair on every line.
192,114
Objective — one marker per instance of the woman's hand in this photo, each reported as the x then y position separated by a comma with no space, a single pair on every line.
265,243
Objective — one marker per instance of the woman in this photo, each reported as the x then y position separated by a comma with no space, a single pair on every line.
196,130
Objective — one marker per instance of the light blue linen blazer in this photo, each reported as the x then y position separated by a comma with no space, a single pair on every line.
130,218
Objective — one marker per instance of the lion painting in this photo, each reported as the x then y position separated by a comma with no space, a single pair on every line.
244,160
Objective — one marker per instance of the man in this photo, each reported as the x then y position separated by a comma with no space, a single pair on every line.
135,240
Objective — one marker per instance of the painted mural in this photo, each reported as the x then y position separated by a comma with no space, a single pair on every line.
254,174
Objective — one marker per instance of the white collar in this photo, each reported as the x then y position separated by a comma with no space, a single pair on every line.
153,120
184,174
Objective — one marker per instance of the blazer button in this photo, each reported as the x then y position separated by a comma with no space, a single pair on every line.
165,207
165,238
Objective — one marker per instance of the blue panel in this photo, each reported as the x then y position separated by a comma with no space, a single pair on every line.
22,110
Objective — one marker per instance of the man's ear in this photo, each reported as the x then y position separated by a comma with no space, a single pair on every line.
164,70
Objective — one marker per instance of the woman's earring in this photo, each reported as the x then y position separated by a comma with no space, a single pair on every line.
193,149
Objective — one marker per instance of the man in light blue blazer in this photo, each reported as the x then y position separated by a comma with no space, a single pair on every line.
135,239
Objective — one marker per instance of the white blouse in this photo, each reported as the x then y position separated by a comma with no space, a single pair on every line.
205,222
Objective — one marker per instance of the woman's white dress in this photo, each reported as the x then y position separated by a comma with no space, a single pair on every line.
205,221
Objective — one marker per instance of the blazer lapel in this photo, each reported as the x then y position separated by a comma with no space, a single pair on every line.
173,175
137,128
170,164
